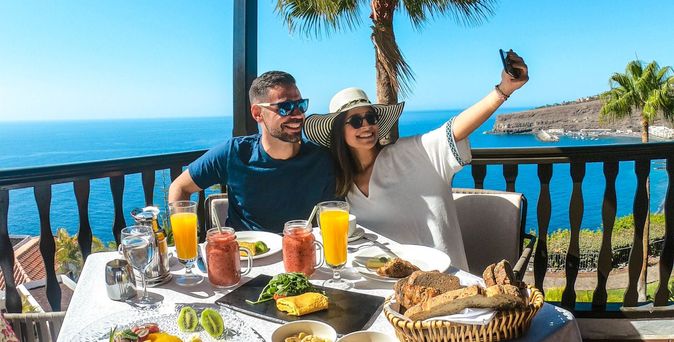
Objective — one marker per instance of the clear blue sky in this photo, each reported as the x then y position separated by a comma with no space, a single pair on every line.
153,58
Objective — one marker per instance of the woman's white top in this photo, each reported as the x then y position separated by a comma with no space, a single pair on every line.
410,199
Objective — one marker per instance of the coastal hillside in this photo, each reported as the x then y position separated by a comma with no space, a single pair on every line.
570,117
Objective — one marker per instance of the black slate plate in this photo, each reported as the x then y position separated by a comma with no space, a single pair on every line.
347,312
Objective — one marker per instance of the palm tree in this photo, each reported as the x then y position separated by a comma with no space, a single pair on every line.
68,257
648,91
394,75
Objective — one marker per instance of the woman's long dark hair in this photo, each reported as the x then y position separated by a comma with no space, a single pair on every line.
346,165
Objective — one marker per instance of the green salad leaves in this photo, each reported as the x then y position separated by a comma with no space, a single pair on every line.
285,285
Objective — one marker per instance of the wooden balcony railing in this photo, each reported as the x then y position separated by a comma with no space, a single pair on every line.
80,175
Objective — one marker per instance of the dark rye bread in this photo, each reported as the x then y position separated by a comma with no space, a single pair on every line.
499,274
420,286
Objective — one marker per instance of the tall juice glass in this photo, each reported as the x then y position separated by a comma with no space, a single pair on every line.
184,226
333,219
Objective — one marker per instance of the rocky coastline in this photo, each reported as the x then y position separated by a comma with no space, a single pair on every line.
576,118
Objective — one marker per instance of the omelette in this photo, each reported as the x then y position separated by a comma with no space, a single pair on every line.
303,304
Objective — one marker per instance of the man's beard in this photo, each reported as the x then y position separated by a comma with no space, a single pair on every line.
282,135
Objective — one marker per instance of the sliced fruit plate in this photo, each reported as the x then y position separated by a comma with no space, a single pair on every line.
198,323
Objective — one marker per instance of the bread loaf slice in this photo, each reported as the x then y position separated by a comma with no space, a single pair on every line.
449,303
488,275
505,297
500,273
420,286
504,273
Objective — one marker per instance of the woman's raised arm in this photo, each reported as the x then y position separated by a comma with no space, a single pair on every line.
470,119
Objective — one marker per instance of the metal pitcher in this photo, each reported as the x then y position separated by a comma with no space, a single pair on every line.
120,282
158,272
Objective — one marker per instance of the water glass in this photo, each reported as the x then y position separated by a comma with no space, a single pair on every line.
184,226
333,219
139,249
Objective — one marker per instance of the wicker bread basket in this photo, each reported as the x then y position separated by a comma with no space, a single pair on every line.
505,325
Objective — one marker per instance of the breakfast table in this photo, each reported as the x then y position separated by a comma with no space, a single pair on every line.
90,302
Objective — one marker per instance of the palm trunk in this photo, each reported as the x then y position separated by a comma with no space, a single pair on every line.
382,37
641,286
389,64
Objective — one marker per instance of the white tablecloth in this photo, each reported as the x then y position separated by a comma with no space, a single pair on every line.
91,303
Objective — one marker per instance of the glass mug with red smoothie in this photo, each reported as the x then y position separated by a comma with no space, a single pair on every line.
299,248
223,258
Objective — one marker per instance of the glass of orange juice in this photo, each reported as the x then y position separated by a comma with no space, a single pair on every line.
184,227
333,219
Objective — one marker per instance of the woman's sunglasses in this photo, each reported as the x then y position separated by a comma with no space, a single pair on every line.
356,121
287,107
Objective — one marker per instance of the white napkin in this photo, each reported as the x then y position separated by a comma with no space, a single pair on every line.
468,316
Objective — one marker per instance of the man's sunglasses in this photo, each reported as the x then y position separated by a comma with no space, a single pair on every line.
287,107
356,121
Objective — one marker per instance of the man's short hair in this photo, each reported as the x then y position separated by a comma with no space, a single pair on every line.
260,88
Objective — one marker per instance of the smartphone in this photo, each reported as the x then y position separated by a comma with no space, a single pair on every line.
507,66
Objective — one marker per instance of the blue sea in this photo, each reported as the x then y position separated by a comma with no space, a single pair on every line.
29,144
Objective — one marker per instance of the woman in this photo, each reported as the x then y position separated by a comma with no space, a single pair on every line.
401,190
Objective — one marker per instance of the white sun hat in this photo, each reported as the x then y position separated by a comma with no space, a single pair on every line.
318,127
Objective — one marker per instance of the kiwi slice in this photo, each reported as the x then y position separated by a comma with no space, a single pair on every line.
212,322
187,319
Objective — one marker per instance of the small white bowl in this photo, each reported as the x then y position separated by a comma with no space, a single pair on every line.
315,328
367,336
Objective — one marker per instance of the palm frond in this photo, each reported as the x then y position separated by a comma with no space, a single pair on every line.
616,104
619,80
634,69
663,73
391,59
648,88
666,100
651,106
318,17
463,12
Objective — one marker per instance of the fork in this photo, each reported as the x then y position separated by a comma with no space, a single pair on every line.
381,246
359,247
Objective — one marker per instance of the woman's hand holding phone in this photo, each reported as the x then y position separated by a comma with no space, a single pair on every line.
518,69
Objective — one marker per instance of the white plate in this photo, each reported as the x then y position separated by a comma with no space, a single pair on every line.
426,258
236,329
357,234
273,241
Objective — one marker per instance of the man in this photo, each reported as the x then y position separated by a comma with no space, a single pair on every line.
272,177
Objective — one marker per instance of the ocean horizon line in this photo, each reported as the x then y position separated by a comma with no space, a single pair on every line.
197,117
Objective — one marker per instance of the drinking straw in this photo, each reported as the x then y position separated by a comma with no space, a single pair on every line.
216,219
311,217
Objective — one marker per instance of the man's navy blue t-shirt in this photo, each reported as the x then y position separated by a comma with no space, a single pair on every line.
263,192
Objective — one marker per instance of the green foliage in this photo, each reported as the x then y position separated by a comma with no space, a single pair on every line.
26,307
163,220
644,88
69,259
554,294
590,241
